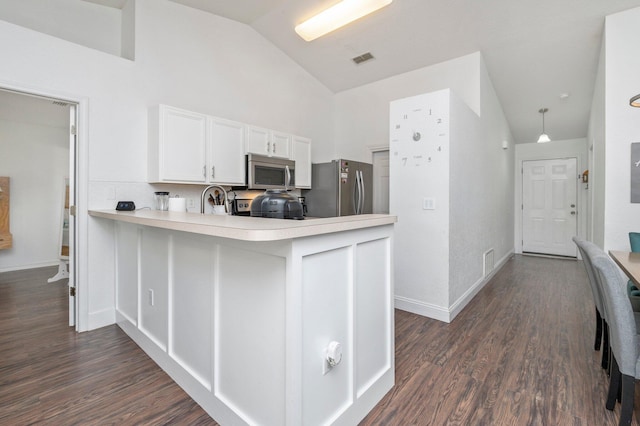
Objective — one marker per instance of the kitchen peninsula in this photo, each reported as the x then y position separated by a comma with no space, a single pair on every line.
244,313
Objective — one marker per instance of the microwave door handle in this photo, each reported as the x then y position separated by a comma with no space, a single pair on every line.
288,180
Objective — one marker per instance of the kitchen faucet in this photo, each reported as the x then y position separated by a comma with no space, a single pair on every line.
224,192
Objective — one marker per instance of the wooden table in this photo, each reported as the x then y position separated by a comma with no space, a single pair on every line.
629,263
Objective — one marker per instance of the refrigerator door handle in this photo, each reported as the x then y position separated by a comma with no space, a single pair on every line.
358,190
362,192
356,195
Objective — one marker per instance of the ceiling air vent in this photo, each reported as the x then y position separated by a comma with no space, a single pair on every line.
362,58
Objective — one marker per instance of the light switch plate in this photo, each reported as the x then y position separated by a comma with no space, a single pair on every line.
428,204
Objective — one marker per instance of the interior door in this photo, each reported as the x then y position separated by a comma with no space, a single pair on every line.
549,200
381,182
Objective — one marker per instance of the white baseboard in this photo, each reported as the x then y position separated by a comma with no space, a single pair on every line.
447,314
418,307
101,319
30,266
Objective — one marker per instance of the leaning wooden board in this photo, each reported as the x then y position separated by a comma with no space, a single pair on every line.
5,234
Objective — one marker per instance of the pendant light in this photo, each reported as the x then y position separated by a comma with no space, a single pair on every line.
543,137
635,101
337,16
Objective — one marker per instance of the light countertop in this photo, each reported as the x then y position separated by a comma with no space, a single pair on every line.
243,227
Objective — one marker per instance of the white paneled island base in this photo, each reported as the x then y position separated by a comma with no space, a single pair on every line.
243,325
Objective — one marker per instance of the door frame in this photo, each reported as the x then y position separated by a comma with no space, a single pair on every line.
80,169
576,148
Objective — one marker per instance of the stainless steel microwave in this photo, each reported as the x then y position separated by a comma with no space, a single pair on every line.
270,173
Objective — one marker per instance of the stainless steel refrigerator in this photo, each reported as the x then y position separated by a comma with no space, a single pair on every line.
340,188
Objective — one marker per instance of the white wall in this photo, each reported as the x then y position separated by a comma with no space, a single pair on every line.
622,56
570,148
36,158
362,113
482,191
184,57
77,21
439,253
418,170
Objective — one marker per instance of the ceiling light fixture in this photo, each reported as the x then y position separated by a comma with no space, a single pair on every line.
337,16
543,137
635,101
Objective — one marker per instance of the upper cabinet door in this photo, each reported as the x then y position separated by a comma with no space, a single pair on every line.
268,142
258,141
178,153
301,153
280,144
226,153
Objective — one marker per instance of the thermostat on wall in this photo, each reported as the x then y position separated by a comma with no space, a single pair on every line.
126,206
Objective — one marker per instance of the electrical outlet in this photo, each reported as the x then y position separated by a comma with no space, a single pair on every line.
191,203
151,297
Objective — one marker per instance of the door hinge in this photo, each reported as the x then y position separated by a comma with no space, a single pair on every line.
73,129
72,210
72,291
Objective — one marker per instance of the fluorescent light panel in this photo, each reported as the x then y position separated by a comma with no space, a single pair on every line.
337,16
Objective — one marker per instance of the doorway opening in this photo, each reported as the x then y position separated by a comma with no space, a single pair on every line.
40,155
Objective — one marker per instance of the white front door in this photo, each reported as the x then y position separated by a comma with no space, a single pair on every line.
549,206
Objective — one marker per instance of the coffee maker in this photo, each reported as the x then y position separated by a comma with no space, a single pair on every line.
302,201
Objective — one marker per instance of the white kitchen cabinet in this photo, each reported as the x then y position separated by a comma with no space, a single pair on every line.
225,158
301,154
268,142
177,145
189,147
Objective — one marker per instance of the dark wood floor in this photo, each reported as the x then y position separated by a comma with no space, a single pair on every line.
49,374
520,354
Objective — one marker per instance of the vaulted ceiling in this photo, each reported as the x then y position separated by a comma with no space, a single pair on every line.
535,51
